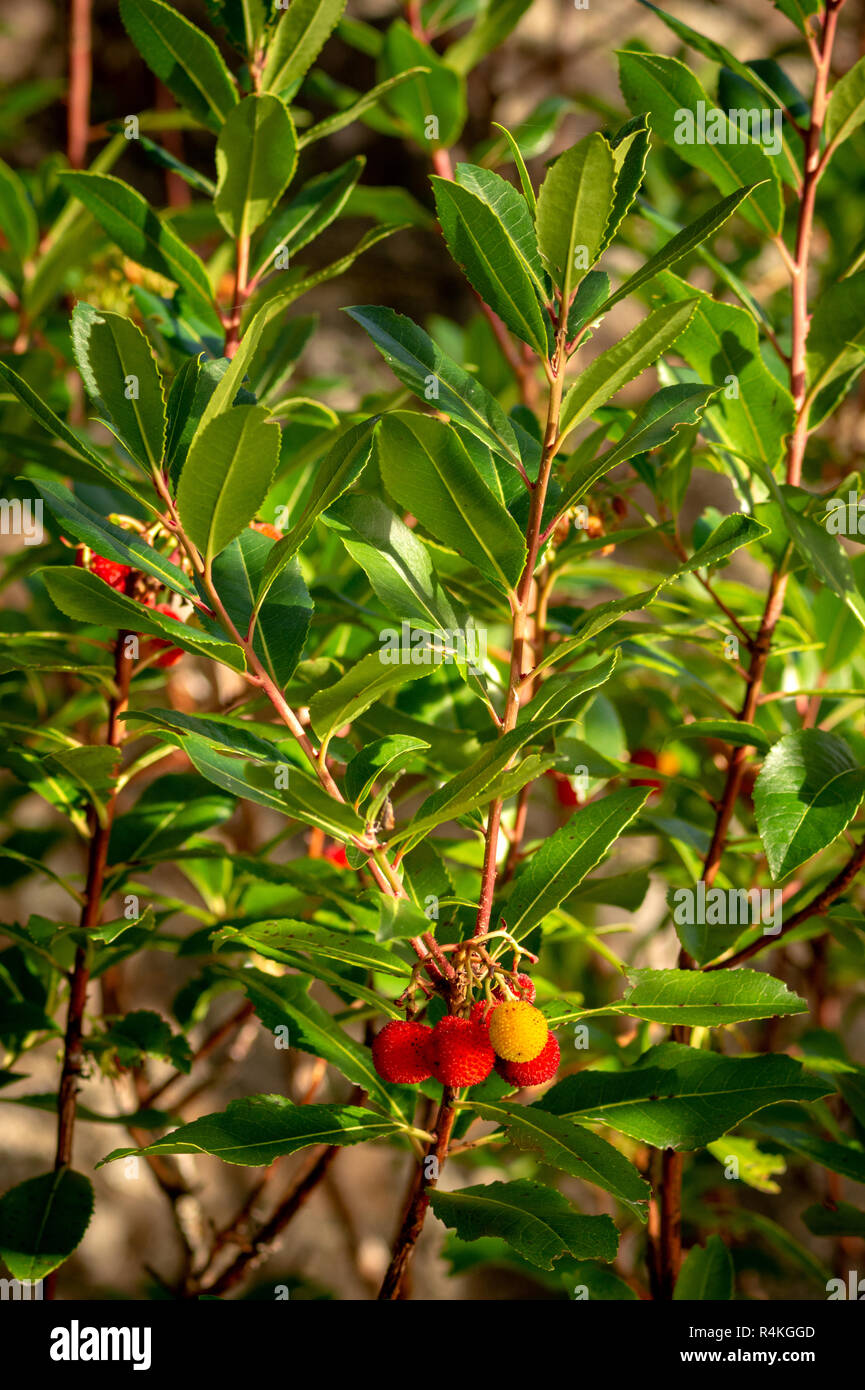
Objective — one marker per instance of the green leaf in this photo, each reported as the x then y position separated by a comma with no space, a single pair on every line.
284,616
574,205
800,12
836,344
475,784
302,799
182,57
367,681
17,218
707,1273
438,93
754,413
429,469
185,59
313,208
255,1130
44,415
226,477
93,769
495,20
168,812
299,38
231,380
349,948
380,761
668,92
840,1220
525,180
140,233
808,791
680,1097
125,547
349,114
680,245
120,373
420,364
618,365
341,466
630,148
42,1221
144,1033
87,598
753,1167
570,1148
537,1222
734,731
256,156
848,1159
730,535
718,53
566,856
700,999
284,1000
397,563
846,109
656,423
224,731
484,244
512,212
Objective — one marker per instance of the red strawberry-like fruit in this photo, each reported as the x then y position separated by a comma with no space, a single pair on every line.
480,1012
114,575
460,1052
523,988
665,762
541,1068
400,1052
335,854
265,529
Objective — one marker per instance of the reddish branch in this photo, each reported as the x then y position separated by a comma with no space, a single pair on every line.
798,265
91,915
425,1179
264,1242
80,81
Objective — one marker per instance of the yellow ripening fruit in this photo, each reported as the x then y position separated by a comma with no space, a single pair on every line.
518,1031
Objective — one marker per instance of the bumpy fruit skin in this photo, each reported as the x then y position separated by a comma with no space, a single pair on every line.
535,1073
114,575
400,1052
518,1031
460,1052
335,854
524,987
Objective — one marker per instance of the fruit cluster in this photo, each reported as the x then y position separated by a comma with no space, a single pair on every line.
508,1034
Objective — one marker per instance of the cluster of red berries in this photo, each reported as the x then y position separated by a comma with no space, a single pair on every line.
126,580
510,1035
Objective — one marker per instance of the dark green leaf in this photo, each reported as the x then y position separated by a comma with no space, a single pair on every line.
256,155
707,1273
42,1221
538,1222
257,1129
226,476
680,1097
808,791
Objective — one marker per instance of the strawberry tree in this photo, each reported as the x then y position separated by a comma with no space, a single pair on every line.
453,735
